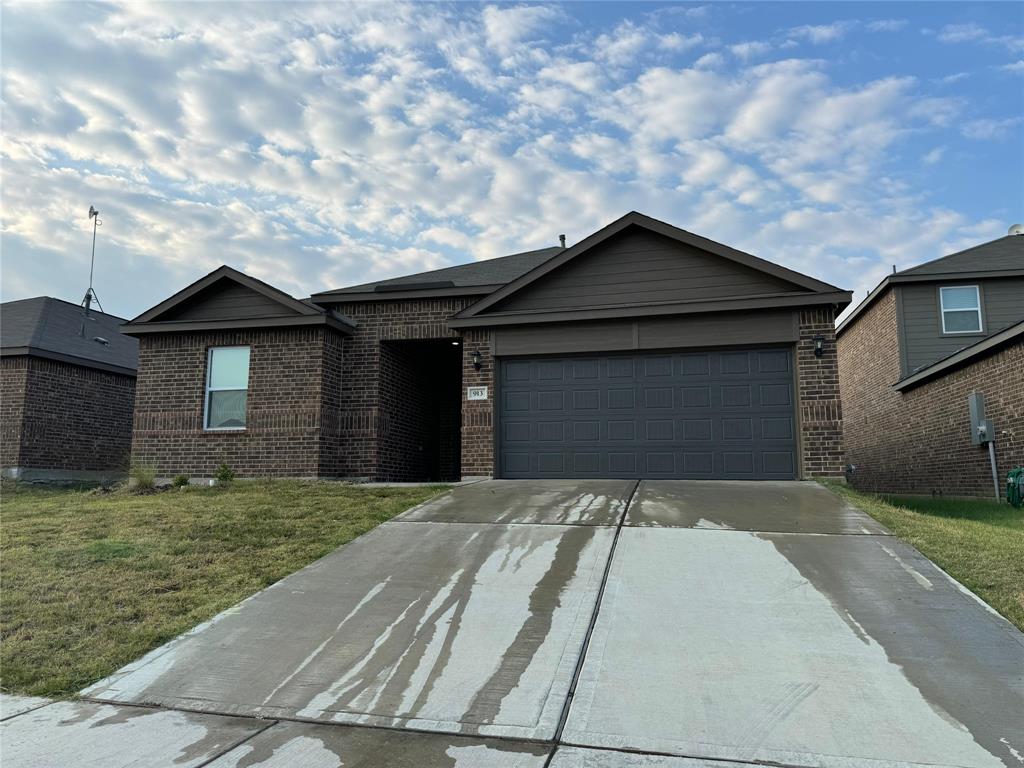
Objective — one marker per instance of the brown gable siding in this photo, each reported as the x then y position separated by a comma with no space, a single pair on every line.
227,300
1002,305
639,266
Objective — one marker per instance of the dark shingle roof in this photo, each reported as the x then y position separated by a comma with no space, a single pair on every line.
1005,253
51,327
489,272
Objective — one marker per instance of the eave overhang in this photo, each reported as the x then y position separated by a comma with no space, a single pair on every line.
838,299
60,357
967,355
331,320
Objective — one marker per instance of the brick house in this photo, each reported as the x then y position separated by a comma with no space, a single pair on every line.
912,353
641,351
67,390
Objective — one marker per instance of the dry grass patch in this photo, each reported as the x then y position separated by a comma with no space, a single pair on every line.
90,581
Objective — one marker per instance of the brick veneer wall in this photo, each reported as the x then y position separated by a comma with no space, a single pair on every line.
818,391
368,415
478,420
292,412
13,375
918,441
64,418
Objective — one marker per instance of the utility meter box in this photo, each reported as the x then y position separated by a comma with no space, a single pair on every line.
981,428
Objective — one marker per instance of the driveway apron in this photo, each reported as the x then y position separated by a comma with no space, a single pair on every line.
831,644
724,624
463,627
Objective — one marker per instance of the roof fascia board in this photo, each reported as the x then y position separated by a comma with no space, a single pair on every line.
232,274
648,310
957,359
355,298
331,320
60,357
659,227
925,277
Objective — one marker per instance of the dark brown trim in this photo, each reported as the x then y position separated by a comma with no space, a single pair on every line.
965,356
838,298
435,293
901,333
299,307
871,298
82,362
659,227
332,321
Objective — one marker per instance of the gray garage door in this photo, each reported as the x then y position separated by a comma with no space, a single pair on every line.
712,414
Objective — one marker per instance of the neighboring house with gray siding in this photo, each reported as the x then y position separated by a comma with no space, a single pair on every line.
641,351
911,353
67,392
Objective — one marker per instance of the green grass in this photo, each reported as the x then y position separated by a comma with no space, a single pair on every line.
90,581
979,543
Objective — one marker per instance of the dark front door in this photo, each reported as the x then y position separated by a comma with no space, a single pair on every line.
722,414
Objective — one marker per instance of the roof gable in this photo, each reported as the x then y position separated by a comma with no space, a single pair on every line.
227,298
636,266
684,269
226,293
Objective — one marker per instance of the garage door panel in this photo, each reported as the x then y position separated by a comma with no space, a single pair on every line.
715,414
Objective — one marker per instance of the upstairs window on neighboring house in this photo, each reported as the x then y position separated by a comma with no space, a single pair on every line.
961,309
227,384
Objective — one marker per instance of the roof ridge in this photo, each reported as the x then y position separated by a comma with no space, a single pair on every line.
388,280
961,252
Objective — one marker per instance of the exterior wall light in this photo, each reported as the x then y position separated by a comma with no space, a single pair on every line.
477,365
819,346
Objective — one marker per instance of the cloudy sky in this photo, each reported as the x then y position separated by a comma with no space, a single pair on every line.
317,146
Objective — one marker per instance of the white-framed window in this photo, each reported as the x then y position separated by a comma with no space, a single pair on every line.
227,385
961,309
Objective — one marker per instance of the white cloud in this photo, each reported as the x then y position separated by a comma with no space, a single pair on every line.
750,50
710,61
1016,67
623,45
820,33
960,33
990,130
677,42
334,148
973,32
933,156
887,25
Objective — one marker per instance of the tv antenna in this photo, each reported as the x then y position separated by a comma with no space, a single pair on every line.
90,294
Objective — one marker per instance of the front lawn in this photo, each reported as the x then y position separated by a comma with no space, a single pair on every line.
90,580
979,543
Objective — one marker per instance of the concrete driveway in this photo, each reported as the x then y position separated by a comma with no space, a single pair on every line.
661,623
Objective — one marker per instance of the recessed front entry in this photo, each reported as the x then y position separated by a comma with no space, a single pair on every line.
721,414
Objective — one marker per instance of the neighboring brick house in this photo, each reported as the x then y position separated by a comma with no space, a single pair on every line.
67,390
642,351
910,355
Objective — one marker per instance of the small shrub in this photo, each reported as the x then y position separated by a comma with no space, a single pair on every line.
142,477
180,481
224,473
